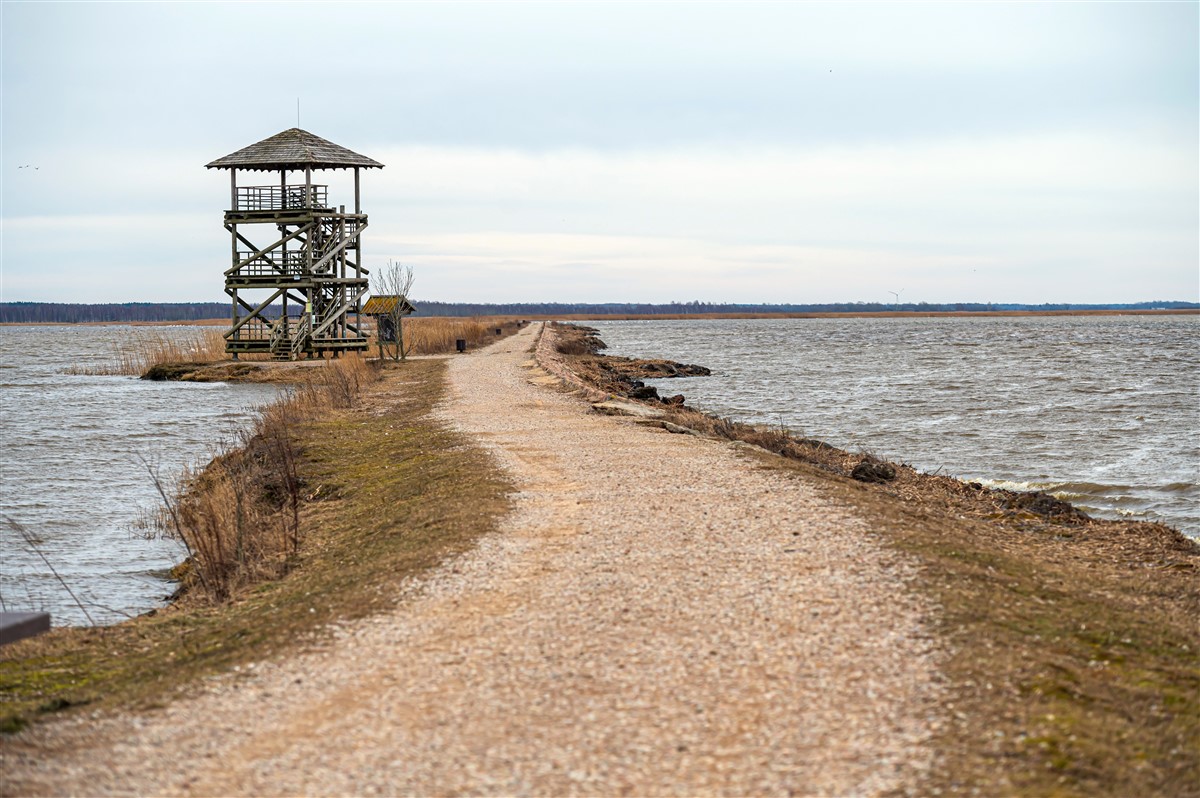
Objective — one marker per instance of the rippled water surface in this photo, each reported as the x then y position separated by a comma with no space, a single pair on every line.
1103,411
72,472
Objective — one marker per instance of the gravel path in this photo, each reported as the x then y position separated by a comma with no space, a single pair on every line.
659,615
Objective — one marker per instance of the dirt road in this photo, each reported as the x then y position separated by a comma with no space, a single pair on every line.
659,615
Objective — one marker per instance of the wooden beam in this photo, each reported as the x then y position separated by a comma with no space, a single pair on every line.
283,203
233,293
262,252
233,316
16,626
341,312
252,246
336,252
254,313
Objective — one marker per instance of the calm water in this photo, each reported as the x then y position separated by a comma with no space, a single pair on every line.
71,470
1101,411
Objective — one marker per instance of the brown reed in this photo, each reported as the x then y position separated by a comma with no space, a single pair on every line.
142,351
239,516
436,335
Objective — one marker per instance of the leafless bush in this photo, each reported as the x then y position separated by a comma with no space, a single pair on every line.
239,516
395,280
342,380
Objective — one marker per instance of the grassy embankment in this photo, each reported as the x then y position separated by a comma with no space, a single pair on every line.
338,496
1074,643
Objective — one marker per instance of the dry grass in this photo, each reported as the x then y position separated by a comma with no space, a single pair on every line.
434,335
146,350
386,494
239,517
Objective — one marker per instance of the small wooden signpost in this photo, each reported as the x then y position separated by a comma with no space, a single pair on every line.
387,310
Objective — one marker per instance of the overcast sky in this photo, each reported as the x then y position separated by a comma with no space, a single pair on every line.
806,152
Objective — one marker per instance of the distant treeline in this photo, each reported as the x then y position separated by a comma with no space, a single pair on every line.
57,312
675,308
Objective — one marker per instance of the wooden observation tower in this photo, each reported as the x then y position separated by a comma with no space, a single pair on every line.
311,260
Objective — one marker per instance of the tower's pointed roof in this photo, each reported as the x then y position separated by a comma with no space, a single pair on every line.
294,149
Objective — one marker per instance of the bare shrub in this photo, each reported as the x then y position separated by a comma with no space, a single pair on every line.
395,280
239,516
341,381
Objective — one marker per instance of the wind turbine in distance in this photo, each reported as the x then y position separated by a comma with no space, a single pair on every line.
896,294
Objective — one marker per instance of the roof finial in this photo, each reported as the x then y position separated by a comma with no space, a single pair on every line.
297,112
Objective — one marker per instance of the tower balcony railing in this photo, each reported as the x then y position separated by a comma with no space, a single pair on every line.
281,198
275,264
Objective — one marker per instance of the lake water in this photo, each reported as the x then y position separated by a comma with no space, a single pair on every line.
73,475
1103,411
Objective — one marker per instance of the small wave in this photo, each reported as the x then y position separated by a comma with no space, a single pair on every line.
1095,488
1006,484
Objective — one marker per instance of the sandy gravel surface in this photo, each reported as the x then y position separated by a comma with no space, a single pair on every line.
660,615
